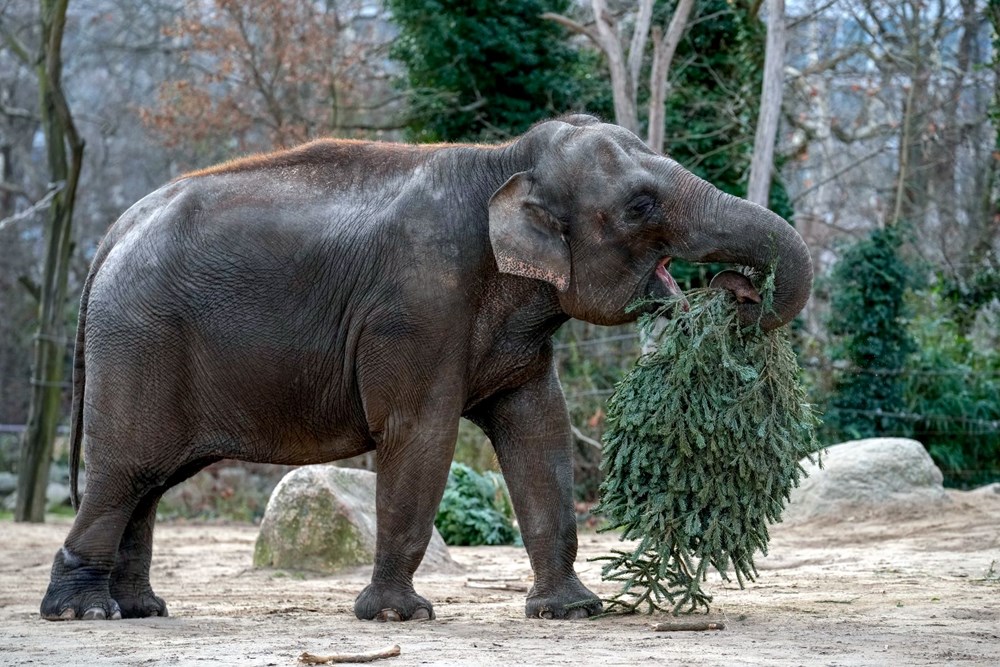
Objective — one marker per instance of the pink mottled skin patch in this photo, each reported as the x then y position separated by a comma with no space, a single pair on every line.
520,267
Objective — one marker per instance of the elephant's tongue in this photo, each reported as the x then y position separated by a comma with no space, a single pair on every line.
651,338
668,280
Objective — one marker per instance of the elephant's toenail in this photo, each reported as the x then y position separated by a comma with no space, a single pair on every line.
68,614
94,614
388,615
577,613
421,614
545,613
117,616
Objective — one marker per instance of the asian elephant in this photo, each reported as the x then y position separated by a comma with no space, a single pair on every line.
347,296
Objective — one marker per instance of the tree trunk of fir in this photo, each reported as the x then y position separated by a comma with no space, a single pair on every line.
65,156
762,162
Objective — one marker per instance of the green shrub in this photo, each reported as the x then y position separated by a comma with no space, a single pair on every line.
952,392
475,509
870,328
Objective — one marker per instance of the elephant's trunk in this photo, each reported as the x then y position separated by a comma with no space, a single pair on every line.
724,228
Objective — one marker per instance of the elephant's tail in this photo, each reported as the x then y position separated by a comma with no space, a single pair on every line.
80,379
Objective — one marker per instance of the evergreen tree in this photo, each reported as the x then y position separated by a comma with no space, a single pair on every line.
486,69
869,321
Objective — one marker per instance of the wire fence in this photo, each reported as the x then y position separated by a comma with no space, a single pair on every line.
586,397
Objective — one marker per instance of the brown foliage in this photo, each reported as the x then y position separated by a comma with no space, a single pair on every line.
272,73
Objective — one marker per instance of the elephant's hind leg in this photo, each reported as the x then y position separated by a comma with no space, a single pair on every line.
81,573
130,586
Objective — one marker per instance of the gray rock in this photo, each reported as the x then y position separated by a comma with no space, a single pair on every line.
865,477
56,495
321,518
59,473
8,483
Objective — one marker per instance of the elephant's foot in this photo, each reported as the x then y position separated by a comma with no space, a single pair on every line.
570,600
78,591
138,601
385,602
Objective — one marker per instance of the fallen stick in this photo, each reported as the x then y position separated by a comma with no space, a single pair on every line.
498,586
310,659
691,626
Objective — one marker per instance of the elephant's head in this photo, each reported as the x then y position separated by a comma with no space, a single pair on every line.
600,216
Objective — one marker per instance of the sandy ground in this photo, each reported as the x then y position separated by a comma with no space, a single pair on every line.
890,590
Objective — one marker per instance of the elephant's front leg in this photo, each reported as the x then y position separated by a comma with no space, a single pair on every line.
413,459
530,431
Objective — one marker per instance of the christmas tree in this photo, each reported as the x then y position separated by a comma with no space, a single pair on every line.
703,445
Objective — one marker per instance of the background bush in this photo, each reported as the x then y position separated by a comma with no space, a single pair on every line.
475,509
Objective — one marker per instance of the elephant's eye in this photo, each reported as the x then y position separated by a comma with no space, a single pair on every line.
641,206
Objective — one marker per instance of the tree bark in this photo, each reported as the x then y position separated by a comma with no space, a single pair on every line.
65,158
664,47
622,89
762,162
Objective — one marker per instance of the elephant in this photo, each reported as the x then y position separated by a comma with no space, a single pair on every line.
345,296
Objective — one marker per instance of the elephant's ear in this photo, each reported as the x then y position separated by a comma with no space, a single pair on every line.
527,240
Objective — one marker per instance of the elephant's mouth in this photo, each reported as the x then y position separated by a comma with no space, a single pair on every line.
666,280
659,284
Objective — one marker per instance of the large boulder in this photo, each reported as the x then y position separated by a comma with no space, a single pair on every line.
865,477
321,518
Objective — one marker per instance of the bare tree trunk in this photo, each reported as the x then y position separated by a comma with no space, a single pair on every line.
664,47
762,162
50,347
623,90
910,199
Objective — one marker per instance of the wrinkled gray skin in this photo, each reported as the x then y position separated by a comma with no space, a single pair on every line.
344,297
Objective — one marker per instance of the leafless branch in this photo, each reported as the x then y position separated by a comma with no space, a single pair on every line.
39,205
17,112
805,18
572,25
837,174
14,44
579,435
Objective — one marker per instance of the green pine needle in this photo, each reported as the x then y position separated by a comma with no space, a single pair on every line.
702,449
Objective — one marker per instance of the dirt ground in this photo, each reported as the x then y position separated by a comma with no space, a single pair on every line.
898,589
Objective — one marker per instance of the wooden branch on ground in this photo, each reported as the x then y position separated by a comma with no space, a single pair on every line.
687,626
310,659
498,585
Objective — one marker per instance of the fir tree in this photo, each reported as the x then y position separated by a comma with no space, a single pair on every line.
483,70
870,325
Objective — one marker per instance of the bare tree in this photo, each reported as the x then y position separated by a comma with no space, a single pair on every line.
607,33
273,73
64,149
762,160
889,111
